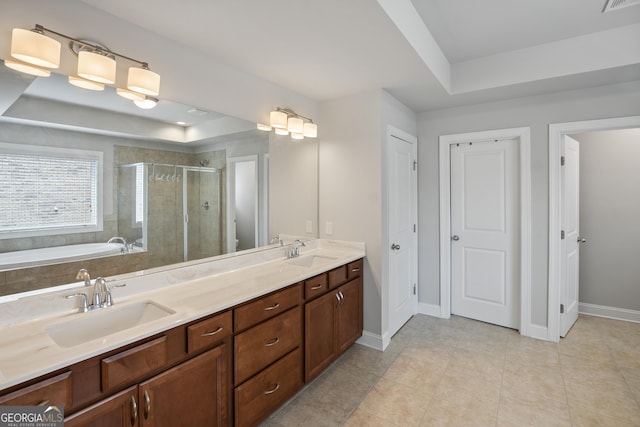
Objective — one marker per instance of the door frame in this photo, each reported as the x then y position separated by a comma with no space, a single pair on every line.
231,198
522,134
556,135
393,132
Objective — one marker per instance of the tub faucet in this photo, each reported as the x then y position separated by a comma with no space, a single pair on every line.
83,274
125,247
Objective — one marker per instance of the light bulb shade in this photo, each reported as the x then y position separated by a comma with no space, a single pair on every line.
143,81
310,130
129,94
96,67
278,120
27,68
147,103
295,125
297,136
35,48
281,131
85,84
262,126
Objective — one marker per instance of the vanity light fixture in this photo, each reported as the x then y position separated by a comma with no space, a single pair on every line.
285,121
34,52
85,84
147,103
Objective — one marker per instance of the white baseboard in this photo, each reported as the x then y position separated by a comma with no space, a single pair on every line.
429,309
609,312
369,339
538,332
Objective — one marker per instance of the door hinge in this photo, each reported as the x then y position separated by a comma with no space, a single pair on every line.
561,234
561,160
415,164
561,308
414,289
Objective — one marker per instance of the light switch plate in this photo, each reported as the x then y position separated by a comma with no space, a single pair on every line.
328,228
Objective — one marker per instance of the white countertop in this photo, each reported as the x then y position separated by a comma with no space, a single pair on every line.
194,290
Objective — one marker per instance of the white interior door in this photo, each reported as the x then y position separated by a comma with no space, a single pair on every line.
403,301
485,221
570,225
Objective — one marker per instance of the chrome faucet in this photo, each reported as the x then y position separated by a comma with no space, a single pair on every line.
99,288
83,274
294,249
125,247
101,296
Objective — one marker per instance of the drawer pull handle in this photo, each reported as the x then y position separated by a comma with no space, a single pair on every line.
338,298
316,287
134,411
273,342
356,269
43,403
217,331
273,390
147,405
273,307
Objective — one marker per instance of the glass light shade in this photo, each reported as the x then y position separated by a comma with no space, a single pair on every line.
295,125
27,68
147,103
35,48
143,81
96,67
310,130
278,120
281,131
297,136
85,84
129,94
262,126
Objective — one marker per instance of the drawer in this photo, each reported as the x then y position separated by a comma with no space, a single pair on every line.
354,269
263,394
266,307
315,286
262,345
337,276
209,332
133,364
55,391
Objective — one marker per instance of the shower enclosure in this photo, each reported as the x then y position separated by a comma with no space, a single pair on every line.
174,212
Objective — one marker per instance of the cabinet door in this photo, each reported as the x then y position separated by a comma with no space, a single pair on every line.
195,393
349,314
118,410
320,337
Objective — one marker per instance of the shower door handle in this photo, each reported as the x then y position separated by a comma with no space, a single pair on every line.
186,218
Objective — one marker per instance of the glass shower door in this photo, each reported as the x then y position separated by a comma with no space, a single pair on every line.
202,213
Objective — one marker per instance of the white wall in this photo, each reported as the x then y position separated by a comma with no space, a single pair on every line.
537,112
351,175
609,214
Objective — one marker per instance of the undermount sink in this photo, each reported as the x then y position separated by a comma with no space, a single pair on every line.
97,324
311,261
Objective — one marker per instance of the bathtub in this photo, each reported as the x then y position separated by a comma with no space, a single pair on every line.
57,254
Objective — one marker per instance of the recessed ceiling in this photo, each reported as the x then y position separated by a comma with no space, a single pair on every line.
333,48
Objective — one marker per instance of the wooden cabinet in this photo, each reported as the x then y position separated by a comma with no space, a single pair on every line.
194,393
236,366
267,355
333,322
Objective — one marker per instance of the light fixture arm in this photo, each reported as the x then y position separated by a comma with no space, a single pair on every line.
290,112
97,48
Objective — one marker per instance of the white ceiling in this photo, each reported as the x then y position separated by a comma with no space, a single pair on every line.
325,49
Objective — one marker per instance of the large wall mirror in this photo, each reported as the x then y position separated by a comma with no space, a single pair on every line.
171,184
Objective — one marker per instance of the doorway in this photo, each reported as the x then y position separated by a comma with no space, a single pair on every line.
488,159
557,261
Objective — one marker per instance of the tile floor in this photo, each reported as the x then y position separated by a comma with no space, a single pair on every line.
461,372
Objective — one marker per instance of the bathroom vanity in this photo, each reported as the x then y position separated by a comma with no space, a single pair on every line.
219,343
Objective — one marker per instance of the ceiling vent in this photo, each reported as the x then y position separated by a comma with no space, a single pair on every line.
619,4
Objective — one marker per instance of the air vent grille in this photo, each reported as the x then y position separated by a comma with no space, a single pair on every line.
619,4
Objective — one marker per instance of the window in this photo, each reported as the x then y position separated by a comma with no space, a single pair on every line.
47,190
